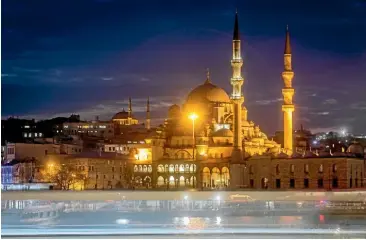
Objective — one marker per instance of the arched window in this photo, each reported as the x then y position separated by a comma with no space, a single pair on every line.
135,168
306,168
161,168
171,168
149,169
334,168
191,168
292,168
278,169
176,169
145,168
187,168
321,168
181,168
166,168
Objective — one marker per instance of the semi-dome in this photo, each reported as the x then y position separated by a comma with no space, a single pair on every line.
223,132
208,92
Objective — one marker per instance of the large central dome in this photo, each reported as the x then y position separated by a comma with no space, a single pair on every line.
208,92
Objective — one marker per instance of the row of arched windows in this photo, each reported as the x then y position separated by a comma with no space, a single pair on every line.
142,168
187,168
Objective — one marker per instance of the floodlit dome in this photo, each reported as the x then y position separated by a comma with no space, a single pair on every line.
355,148
174,111
207,92
223,132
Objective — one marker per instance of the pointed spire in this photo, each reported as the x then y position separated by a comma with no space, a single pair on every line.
287,42
208,80
236,27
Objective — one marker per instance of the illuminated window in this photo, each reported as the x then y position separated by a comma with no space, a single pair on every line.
145,168
306,168
149,169
171,168
160,168
292,168
321,168
334,168
140,168
181,168
176,169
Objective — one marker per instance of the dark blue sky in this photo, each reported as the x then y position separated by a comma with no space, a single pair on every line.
87,56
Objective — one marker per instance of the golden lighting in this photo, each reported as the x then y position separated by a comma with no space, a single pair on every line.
193,116
142,154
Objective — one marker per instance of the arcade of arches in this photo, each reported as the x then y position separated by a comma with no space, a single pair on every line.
176,176
215,178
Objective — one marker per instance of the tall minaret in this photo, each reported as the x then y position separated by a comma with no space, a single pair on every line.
148,114
129,107
237,97
288,93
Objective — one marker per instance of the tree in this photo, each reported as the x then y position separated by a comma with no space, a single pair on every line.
65,176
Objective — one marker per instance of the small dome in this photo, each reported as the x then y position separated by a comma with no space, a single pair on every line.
223,132
174,111
355,148
207,92
120,115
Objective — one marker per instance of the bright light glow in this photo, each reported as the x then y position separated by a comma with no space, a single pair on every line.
185,197
218,220
186,221
142,154
122,221
193,116
315,142
218,198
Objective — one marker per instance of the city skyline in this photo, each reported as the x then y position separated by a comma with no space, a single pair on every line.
99,60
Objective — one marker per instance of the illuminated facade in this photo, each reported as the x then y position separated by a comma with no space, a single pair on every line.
125,118
102,129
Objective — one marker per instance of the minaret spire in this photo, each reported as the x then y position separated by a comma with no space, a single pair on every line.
288,92
287,42
148,114
237,97
208,80
236,35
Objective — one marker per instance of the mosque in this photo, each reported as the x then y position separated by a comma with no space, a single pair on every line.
209,142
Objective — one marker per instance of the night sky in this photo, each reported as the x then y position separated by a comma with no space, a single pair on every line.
88,56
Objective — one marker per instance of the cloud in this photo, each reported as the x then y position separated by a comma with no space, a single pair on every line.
267,102
8,75
144,79
107,78
359,106
29,70
320,113
105,110
330,101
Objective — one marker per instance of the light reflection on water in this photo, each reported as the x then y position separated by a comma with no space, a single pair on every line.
192,215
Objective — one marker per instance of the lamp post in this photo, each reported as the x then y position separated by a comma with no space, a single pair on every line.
193,117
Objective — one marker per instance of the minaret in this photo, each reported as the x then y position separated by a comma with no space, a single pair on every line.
236,97
288,93
148,114
129,107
